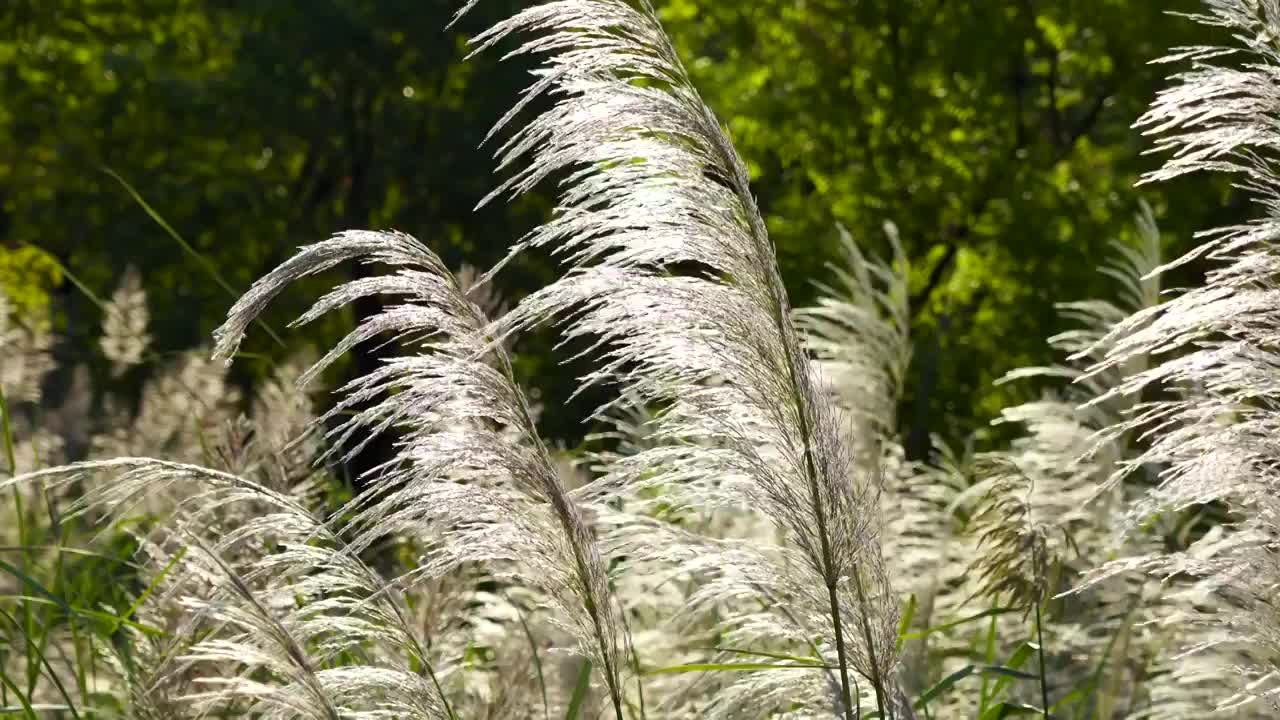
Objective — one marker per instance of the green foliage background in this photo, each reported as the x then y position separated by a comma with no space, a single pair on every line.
995,134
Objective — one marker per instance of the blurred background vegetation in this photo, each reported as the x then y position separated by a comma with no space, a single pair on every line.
994,133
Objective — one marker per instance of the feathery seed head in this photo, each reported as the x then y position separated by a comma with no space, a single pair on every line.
653,186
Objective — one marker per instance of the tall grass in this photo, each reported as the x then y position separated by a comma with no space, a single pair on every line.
748,540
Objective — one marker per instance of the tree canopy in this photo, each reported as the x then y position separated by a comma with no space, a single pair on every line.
996,136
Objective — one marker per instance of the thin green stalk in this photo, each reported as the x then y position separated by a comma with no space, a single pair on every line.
635,660
537,662
80,285
828,561
39,653
1044,685
1096,676
991,658
28,616
857,691
6,429
150,355
46,616
204,261
77,646
151,587
27,710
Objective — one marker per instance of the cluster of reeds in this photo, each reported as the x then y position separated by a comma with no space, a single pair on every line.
750,540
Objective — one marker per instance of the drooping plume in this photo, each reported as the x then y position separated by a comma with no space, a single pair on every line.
471,477
264,595
1211,416
673,281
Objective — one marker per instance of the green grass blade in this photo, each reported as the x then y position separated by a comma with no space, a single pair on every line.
537,661
1009,709
200,258
6,428
636,671
944,685
27,710
1019,658
764,654
92,614
146,593
1014,674
71,551
990,656
1091,684
907,615
962,621
579,692
38,652
735,667
26,579
80,285
20,513
1007,672
950,681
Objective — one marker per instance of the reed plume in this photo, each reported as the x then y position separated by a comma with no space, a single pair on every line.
259,606
673,281
471,476
1208,413
125,339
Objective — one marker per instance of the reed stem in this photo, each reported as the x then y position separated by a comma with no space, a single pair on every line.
1044,686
